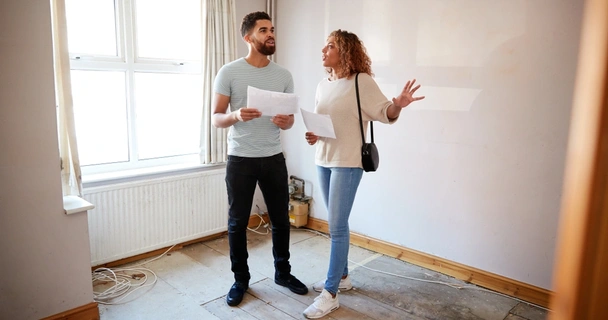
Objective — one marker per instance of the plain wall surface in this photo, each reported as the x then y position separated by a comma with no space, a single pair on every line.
45,262
473,173
243,7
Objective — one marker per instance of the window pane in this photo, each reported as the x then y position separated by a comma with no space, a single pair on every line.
169,110
91,27
168,29
101,116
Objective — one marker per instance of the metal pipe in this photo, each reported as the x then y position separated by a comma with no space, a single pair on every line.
303,184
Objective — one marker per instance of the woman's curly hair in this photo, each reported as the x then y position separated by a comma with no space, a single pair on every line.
353,55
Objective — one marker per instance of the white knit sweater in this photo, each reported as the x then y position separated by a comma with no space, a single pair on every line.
338,100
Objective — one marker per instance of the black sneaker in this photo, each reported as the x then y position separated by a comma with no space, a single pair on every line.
292,283
236,293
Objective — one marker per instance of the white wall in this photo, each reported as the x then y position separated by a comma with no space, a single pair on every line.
473,173
243,7
45,264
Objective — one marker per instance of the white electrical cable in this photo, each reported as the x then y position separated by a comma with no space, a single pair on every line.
126,281
452,285
262,221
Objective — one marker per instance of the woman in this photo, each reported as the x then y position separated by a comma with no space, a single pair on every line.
339,160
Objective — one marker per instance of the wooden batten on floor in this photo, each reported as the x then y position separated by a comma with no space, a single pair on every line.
513,288
89,311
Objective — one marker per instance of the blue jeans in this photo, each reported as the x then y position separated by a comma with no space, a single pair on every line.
339,187
242,175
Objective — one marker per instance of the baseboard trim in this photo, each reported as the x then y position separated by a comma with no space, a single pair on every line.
504,285
254,221
89,311
158,252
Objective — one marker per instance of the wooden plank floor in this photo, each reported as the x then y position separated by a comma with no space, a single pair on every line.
192,284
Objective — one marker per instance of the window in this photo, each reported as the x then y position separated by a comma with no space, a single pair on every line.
136,82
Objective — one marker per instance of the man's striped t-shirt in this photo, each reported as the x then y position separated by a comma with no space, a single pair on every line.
258,137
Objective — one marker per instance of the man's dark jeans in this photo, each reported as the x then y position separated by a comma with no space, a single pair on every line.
242,174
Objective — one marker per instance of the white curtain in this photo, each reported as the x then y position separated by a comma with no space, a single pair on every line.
71,176
219,47
271,9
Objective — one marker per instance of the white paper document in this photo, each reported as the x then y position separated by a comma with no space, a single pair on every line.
271,103
319,124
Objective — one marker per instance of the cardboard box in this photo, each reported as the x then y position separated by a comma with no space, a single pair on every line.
298,213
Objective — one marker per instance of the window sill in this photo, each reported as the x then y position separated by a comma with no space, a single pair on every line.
96,180
75,204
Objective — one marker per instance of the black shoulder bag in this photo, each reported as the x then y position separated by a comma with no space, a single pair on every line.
369,151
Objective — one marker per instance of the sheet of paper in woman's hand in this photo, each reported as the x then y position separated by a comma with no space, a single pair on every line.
271,103
319,124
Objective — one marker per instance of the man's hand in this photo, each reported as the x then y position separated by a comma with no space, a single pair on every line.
246,114
283,121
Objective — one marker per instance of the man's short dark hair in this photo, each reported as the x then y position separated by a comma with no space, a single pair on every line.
251,19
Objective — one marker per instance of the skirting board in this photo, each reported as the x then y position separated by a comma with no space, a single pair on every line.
89,311
254,221
504,285
158,252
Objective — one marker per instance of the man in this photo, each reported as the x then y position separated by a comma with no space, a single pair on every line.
254,152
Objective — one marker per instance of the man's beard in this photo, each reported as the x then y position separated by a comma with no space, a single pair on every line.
263,49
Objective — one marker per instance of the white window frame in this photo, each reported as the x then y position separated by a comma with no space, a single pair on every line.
127,61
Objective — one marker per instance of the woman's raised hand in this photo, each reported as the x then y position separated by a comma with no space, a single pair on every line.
407,95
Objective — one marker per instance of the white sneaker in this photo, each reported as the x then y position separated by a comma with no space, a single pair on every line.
323,305
344,285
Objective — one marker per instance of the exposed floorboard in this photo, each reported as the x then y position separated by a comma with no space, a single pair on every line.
193,281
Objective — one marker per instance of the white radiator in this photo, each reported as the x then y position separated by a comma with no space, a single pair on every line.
137,217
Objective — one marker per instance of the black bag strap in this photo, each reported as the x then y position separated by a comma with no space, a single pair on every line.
371,123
